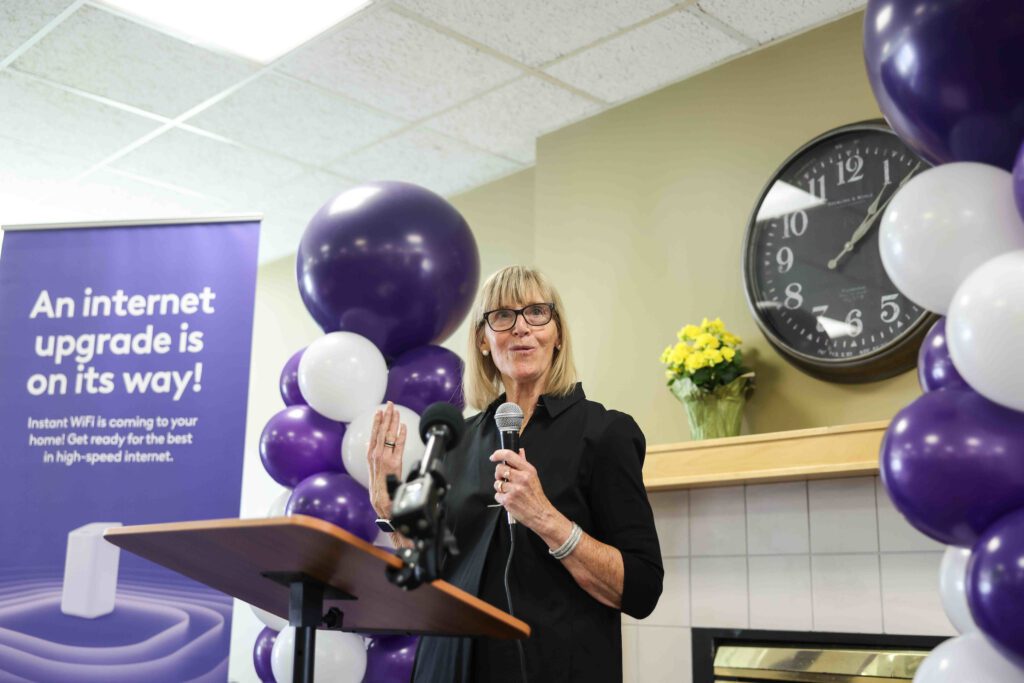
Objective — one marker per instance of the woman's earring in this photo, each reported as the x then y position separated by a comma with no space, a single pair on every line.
485,352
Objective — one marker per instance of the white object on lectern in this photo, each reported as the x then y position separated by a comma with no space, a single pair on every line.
90,572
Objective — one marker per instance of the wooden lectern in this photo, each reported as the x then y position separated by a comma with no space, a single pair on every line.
315,574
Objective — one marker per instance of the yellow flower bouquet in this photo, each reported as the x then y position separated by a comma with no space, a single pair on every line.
705,371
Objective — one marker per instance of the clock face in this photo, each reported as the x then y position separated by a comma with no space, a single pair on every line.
813,271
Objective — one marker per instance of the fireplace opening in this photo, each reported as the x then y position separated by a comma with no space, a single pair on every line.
752,656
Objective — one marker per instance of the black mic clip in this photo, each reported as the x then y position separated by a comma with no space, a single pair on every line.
417,509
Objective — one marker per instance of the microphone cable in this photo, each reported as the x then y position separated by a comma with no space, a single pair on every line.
508,597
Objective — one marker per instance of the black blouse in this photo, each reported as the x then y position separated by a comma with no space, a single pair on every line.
589,462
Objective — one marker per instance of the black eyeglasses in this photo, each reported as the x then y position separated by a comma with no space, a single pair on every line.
535,315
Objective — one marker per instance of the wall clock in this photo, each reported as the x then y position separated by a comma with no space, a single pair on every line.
812,271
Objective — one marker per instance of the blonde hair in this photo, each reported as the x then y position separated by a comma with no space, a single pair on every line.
481,380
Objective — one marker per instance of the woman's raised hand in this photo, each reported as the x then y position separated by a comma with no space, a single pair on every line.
384,455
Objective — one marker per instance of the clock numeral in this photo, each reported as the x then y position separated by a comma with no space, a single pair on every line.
854,166
795,223
817,187
819,313
794,299
890,309
853,320
784,257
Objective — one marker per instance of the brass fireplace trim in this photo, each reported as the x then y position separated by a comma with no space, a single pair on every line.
817,665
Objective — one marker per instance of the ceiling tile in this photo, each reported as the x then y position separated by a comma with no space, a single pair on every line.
398,65
109,195
653,55
21,20
237,174
23,161
536,31
295,119
61,122
288,208
106,55
306,194
765,20
508,120
434,161
31,178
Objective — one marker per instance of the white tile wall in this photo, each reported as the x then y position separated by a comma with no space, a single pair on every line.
777,519
718,522
719,592
844,517
672,518
629,653
664,655
674,605
780,592
847,593
817,556
910,599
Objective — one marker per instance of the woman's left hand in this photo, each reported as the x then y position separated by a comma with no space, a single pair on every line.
517,487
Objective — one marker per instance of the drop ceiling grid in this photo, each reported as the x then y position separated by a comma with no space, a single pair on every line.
521,72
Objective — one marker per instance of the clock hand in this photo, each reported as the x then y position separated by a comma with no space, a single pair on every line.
869,220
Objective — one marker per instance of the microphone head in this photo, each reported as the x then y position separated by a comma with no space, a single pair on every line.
443,414
509,417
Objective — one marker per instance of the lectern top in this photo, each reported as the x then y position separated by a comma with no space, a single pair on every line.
237,555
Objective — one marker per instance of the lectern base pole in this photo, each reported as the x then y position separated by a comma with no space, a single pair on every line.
306,613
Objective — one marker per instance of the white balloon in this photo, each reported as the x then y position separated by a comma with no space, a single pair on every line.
276,508
269,618
943,224
967,659
340,657
341,375
985,324
357,440
953,588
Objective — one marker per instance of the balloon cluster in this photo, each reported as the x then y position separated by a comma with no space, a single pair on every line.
387,270
949,77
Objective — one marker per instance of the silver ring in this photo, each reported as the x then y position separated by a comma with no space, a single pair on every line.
389,444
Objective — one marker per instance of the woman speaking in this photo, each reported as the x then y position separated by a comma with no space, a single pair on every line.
586,549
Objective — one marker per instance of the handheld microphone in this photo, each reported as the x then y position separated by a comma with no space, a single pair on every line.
509,418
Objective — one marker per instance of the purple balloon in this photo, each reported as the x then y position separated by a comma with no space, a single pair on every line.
389,659
995,584
423,376
298,442
290,381
953,463
261,654
1018,181
391,261
949,75
338,499
934,366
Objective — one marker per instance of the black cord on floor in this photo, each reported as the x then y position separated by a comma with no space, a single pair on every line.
508,596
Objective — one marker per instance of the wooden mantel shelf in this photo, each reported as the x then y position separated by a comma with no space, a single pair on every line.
819,453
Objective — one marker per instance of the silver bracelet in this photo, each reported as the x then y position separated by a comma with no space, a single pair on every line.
563,551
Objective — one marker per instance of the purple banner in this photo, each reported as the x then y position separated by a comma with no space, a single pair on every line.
123,387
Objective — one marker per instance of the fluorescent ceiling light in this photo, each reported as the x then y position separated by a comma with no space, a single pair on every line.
262,30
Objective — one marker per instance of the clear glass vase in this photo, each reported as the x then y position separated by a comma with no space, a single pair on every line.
717,412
